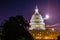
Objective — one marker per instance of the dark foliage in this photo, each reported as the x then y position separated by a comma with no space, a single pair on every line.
14,29
58,38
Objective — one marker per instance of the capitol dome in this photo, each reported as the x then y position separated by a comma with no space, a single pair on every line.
37,21
36,18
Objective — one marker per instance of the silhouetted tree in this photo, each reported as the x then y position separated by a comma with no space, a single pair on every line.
22,21
0,32
14,29
58,37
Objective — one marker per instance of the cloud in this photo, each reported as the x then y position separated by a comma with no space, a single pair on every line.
56,26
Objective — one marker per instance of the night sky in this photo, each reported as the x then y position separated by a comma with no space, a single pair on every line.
27,7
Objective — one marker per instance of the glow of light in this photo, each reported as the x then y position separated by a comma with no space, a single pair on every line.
52,29
47,16
36,10
46,37
38,37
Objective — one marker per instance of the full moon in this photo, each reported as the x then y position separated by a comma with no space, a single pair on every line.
47,16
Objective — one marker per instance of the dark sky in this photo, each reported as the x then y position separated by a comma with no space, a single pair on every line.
26,8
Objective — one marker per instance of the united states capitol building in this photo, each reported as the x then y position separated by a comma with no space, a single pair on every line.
38,29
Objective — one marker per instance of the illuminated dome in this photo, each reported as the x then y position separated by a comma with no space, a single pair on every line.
36,21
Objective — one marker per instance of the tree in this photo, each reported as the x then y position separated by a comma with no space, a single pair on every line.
58,37
14,29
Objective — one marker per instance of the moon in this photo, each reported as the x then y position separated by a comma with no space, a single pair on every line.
47,16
